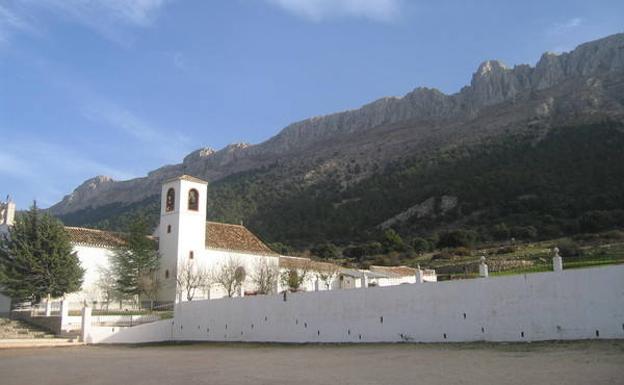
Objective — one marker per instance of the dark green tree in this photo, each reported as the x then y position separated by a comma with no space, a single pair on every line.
135,263
392,241
421,245
458,238
326,251
37,260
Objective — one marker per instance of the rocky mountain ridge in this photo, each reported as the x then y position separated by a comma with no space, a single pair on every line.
421,119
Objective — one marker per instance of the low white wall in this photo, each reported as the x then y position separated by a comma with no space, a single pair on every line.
573,304
75,322
152,332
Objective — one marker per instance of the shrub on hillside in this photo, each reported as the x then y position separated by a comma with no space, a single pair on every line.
444,255
392,241
325,251
461,251
506,250
421,245
569,248
457,238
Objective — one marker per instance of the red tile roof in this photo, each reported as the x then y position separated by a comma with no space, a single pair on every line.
97,238
306,264
221,236
401,271
236,238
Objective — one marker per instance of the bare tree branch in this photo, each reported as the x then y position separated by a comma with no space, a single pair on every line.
230,275
191,277
265,277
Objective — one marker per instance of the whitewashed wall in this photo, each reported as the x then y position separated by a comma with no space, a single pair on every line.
152,332
93,260
574,304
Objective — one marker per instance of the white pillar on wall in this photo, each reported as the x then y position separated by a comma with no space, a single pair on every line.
557,261
48,308
64,314
364,281
483,268
86,323
419,275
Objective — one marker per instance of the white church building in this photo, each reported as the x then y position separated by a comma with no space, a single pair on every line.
185,238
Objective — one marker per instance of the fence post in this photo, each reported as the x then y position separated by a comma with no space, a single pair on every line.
483,268
557,261
86,323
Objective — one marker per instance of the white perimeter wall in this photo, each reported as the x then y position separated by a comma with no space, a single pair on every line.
573,304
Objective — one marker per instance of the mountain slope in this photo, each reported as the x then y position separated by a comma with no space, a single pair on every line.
339,176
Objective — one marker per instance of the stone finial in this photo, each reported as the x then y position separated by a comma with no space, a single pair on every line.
557,260
419,275
483,268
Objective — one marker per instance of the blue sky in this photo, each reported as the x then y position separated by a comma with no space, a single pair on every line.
121,87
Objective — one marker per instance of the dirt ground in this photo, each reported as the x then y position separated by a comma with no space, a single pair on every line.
596,362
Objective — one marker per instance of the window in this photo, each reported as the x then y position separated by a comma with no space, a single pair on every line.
168,229
170,204
166,274
193,200
191,255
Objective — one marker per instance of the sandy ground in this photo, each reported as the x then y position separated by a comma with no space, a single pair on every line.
597,362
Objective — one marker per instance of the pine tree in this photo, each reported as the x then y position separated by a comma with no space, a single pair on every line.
136,262
37,260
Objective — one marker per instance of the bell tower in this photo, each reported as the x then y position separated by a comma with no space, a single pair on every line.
7,214
182,229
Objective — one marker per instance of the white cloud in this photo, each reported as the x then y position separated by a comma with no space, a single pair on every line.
46,169
106,17
319,10
118,117
10,22
94,12
564,27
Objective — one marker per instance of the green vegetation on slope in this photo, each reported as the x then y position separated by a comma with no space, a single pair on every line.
527,186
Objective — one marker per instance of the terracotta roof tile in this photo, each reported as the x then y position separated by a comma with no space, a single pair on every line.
92,237
238,238
401,271
306,263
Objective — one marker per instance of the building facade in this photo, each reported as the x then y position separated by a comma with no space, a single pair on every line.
187,242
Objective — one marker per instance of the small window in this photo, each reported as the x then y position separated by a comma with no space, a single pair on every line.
168,229
170,204
166,274
193,200
191,254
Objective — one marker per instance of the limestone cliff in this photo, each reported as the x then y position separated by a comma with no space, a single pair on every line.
583,84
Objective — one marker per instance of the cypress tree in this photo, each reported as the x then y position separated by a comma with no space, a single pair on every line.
135,263
37,259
